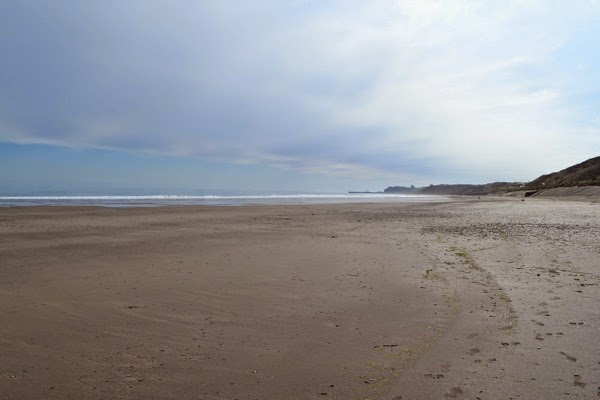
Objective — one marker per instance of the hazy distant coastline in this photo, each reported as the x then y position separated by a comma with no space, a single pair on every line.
585,174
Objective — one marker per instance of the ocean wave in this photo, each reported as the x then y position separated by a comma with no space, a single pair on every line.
211,199
214,197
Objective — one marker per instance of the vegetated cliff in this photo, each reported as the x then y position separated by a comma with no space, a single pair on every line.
586,173
401,189
473,190
459,189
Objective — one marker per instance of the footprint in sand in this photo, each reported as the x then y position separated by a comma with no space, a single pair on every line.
539,337
473,351
544,313
570,358
454,393
577,381
437,376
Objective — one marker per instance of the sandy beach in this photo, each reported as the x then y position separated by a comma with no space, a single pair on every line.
465,299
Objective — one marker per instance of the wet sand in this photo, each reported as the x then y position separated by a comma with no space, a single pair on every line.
473,299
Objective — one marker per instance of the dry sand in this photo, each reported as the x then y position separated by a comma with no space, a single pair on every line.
488,299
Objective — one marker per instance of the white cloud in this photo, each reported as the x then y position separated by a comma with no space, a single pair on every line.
452,78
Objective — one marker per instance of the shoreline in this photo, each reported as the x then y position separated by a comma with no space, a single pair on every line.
213,200
457,299
576,194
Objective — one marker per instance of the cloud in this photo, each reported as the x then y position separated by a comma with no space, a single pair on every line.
468,90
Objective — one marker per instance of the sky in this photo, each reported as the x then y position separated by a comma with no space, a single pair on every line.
294,95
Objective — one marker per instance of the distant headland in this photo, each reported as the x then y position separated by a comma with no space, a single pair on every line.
569,181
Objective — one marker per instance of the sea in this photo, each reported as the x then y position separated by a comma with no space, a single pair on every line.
210,199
